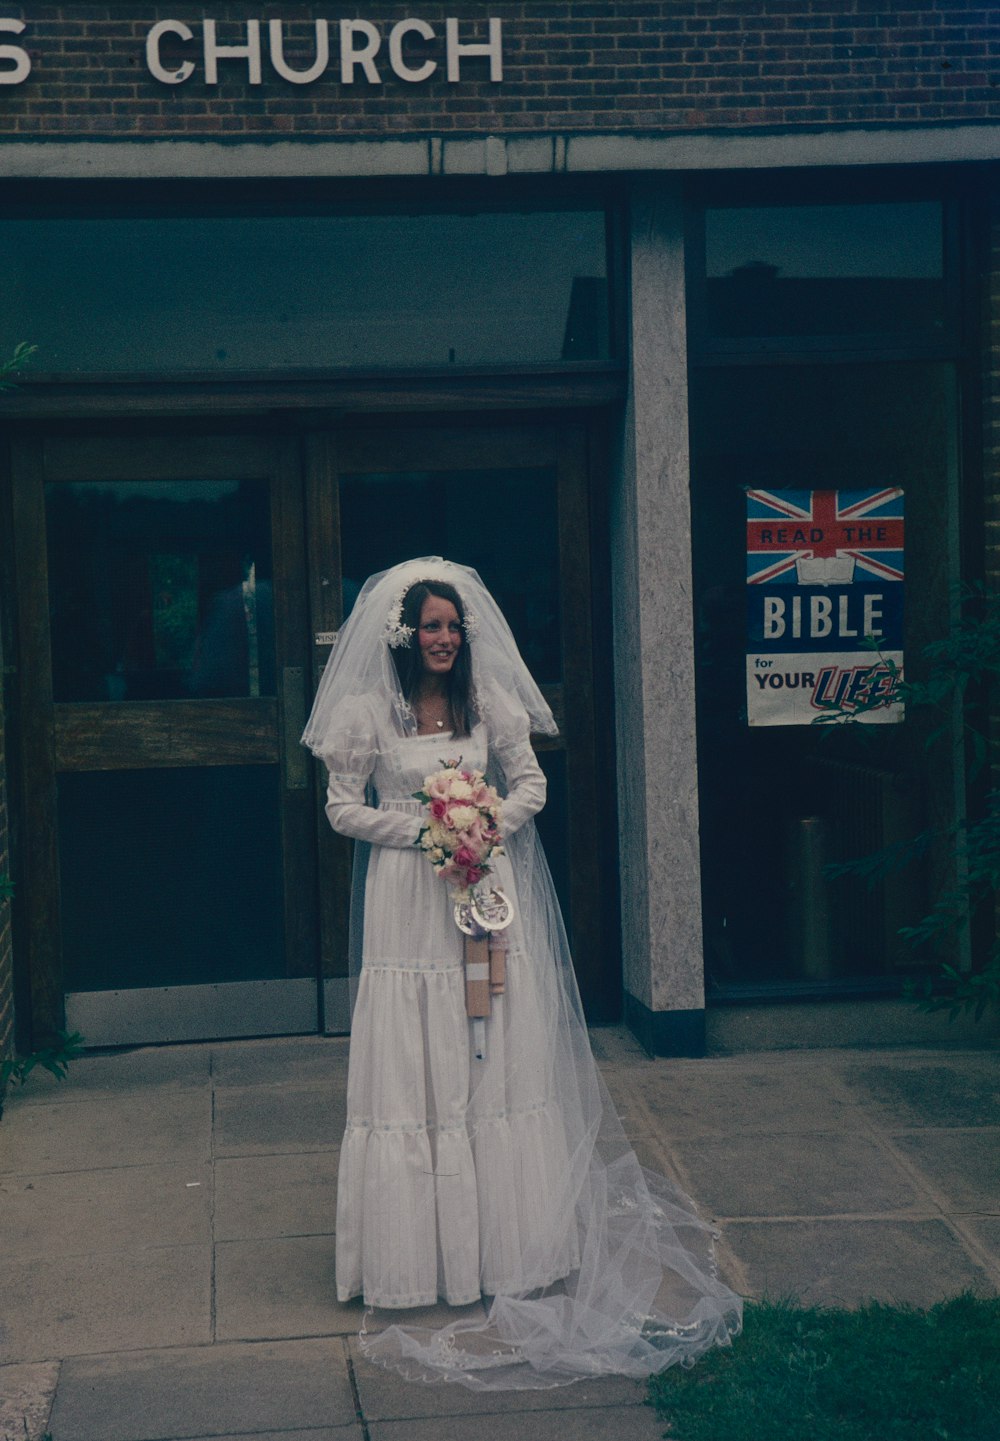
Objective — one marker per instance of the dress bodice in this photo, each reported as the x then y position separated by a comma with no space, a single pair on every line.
364,747
403,765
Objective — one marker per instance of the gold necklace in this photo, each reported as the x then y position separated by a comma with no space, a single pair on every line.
424,719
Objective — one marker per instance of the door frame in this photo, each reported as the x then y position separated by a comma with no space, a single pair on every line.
59,737
305,450
446,443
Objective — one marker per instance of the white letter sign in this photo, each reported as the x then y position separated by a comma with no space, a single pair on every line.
493,48
399,65
363,55
249,52
300,77
153,62
20,58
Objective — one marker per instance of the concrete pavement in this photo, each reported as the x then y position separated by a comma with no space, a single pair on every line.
166,1267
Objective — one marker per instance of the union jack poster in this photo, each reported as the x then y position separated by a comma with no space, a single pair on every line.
824,605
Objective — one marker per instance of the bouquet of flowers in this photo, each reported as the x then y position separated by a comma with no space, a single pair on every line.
461,835
463,824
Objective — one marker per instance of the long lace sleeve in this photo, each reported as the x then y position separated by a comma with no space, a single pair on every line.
523,775
350,758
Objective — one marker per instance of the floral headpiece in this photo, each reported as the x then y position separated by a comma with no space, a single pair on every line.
397,634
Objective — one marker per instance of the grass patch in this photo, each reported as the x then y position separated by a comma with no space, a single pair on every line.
881,1373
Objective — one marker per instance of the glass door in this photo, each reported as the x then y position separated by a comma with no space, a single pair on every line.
177,597
170,867
515,503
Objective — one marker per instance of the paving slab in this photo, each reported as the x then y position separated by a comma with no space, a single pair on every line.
114,1301
985,1233
961,1166
121,1073
277,1288
26,1393
345,1432
385,1396
67,1213
295,1059
802,1175
257,1197
205,1391
748,1099
931,1090
832,1175
172,1126
628,1102
846,1263
256,1120
616,1046
630,1423
436,1316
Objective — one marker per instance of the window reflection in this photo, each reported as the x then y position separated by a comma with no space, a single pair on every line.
503,523
824,269
310,291
160,590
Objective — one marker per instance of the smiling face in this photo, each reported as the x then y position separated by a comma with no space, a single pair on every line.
439,635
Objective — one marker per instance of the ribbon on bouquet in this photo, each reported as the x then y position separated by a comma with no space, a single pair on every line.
483,926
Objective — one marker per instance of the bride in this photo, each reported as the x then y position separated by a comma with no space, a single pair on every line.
503,1175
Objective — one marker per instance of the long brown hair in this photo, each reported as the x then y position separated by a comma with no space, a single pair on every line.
409,662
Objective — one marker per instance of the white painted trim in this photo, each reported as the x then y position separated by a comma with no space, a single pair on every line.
150,1014
910,145
494,155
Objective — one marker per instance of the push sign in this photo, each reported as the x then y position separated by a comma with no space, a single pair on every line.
824,605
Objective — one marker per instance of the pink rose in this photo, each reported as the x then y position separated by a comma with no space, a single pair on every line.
438,808
465,856
473,876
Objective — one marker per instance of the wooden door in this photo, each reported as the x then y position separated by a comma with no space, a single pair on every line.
168,860
514,502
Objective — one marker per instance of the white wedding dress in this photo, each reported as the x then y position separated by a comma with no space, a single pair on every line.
509,1177
453,1171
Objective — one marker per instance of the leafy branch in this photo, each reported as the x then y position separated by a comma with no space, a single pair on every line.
55,1059
960,667
16,362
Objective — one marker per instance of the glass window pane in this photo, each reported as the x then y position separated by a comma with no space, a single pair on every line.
501,522
319,292
824,269
160,590
777,803
170,877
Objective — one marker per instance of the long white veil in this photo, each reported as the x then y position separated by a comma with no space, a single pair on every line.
638,1288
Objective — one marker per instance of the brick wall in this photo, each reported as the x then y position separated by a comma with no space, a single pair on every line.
648,65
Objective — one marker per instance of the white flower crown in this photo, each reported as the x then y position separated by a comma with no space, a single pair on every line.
397,634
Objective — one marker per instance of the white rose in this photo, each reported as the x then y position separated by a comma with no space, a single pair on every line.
462,817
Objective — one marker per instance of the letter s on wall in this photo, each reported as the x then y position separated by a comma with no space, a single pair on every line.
21,58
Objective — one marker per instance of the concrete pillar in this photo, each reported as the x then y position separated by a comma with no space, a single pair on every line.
654,646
